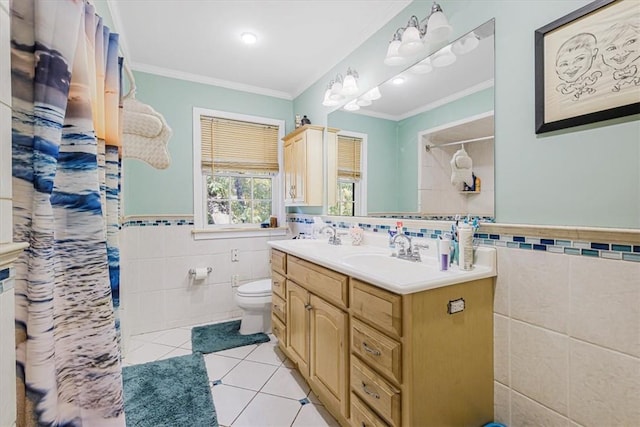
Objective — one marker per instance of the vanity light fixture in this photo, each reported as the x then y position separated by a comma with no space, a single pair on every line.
372,94
340,88
328,101
443,57
409,40
249,38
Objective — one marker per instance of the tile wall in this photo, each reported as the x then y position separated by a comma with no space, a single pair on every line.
566,325
157,291
439,197
7,333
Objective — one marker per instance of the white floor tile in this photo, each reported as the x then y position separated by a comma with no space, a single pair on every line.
251,375
148,337
311,415
134,344
147,353
267,353
186,345
176,352
286,383
238,352
229,402
173,337
268,411
219,366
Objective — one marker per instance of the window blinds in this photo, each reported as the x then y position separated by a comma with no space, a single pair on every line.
349,157
237,146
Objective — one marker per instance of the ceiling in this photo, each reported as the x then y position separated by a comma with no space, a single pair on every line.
298,40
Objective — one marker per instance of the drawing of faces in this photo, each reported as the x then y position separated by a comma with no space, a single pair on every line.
575,57
620,45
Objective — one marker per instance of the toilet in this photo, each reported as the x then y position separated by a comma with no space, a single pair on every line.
254,298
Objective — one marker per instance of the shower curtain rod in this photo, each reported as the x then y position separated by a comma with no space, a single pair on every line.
428,147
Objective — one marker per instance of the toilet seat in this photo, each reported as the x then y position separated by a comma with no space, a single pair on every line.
259,288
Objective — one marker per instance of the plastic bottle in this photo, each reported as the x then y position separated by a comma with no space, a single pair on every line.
465,237
444,250
477,184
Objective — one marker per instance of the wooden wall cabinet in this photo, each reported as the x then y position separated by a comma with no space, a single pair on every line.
303,166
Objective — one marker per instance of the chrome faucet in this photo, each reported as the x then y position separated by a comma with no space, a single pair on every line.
334,239
411,252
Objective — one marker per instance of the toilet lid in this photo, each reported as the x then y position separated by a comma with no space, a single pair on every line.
259,288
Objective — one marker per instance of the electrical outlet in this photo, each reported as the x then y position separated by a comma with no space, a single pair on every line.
234,255
235,280
455,306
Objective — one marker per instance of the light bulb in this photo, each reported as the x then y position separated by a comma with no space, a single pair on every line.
327,101
349,85
411,42
351,106
373,94
393,58
249,38
438,28
443,57
466,44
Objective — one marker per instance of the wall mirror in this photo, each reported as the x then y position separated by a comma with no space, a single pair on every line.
408,136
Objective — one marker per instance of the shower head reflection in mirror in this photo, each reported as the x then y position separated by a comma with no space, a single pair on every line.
400,124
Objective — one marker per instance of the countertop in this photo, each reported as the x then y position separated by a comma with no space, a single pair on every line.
376,265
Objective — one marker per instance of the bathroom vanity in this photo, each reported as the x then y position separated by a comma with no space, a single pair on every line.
383,341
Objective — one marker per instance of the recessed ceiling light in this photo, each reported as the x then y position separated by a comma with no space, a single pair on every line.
398,80
249,38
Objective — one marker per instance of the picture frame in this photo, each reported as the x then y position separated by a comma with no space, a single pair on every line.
587,66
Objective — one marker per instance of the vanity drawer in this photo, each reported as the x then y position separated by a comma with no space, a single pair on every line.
278,307
376,392
377,306
279,330
279,261
278,284
379,351
362,416
321,281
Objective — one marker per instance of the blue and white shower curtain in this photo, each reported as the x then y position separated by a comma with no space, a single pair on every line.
66,90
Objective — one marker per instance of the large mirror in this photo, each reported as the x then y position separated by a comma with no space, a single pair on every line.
408,137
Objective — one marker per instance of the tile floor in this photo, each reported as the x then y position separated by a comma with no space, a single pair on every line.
252,386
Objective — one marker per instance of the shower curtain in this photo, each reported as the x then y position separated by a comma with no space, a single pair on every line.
65,83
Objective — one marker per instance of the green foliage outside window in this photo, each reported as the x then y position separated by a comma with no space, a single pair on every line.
238,199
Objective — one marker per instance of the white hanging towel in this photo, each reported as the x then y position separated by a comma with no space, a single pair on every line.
461,168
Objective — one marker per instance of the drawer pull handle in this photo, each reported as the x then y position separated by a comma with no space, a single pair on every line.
275,307
369,392
370,350
276,284
308,306
276,331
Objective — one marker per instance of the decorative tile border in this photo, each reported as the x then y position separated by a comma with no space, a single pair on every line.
560,245
156,222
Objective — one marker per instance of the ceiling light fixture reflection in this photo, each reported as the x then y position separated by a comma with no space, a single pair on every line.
422,67
465,44
249,38
398,80
352,106
443,57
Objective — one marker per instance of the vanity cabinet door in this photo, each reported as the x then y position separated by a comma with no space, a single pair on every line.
329,342
298,326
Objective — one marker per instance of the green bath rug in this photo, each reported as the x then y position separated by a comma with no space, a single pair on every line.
222,336
169,393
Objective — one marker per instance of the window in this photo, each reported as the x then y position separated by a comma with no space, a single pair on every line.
236,170
350,196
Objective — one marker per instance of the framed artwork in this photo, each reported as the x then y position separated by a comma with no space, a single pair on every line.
587,65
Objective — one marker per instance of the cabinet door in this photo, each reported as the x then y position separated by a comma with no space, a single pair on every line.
329,353
300,164
298,326
289,172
